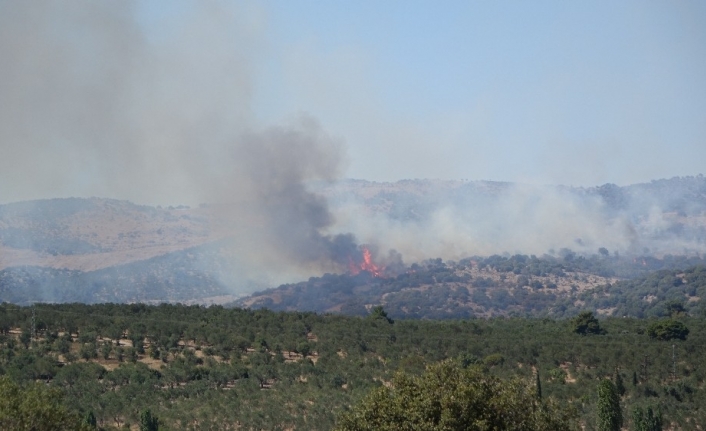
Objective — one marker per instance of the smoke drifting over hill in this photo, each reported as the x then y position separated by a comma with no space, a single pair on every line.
452,220
92,105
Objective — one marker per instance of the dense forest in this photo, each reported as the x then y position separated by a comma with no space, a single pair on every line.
193,367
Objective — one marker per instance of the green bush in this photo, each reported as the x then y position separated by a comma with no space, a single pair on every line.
450,397
668,329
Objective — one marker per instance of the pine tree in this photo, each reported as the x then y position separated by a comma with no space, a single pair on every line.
148,422
654,421
638,420
539,386
610,417
619,385
91,419
646,421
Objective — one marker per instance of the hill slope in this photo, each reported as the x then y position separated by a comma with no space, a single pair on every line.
76,249
516,285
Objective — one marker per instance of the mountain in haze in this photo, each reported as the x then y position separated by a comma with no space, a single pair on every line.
104,250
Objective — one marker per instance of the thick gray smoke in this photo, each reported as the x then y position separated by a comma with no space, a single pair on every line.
272,201
92,105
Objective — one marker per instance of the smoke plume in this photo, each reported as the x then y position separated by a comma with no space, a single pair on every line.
94,105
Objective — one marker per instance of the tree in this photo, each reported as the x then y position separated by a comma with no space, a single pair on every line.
619,384
106,348
538,384
378,312
138,343
148,422
154,351
450,397
668,329
610,417
88,351
90,419
35,408
674,308
646,421
586,323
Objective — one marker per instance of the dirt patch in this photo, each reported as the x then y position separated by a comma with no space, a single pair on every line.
569,378
155,364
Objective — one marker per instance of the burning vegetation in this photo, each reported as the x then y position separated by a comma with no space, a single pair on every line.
365,263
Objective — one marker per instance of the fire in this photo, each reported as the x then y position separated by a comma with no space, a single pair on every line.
366,264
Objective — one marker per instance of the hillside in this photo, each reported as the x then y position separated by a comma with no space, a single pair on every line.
102,250
96,250
90,234
179,276
410,199
501,286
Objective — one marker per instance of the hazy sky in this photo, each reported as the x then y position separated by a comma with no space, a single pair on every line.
141,99
558,92
561,92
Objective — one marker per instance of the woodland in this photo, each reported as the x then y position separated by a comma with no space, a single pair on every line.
555,286
126,366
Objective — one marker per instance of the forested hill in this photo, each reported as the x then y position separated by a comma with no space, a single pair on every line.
555,286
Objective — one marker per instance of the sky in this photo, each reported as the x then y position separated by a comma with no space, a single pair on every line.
143,100
580,93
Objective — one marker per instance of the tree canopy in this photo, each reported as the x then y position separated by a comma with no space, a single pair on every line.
449,397
668,329
586,323
35,408
610,416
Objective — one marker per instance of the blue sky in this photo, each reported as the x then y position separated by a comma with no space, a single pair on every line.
149,100
559,92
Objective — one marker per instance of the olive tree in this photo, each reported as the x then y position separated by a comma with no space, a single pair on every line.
35,408
450,397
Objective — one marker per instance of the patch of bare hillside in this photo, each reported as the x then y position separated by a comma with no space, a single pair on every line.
90,234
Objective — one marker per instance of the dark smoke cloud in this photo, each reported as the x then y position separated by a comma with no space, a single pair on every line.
271,173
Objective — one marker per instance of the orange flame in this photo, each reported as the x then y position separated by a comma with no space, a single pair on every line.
366,265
